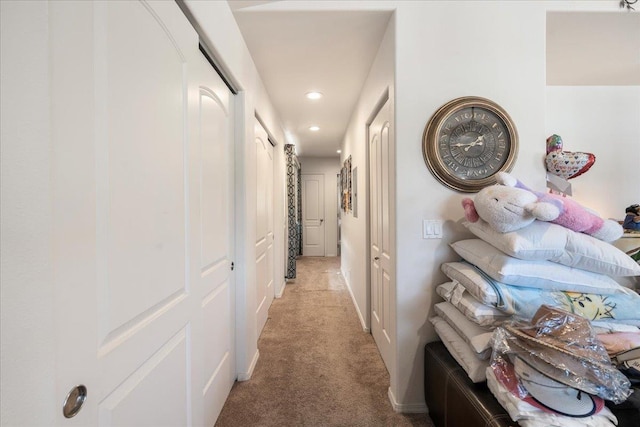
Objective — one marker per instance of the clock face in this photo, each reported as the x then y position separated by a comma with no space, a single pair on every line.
473,143
467,142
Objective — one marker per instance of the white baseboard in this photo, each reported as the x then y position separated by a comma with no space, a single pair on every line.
279,294
246,376
353,299
407,408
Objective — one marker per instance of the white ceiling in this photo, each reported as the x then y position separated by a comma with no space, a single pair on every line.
296,51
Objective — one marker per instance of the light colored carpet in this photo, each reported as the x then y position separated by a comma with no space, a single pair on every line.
317,366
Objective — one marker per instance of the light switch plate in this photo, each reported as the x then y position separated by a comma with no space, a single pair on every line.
431,229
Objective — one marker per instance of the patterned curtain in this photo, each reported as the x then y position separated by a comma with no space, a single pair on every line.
294,215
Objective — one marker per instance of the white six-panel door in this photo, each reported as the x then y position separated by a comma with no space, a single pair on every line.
142,131
382,262
265,290
313,215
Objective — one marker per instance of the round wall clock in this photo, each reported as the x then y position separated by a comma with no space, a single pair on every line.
467,141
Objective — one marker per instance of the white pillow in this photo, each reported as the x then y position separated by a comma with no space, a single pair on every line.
477,337
546,241
459,349
534,274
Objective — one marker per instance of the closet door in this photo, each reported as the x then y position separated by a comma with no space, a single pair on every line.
213,237
382,261
264,225
142,227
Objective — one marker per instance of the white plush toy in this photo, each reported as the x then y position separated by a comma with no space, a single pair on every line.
511,206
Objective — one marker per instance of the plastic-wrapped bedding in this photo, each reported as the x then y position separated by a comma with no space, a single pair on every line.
528,415
563,347
479,313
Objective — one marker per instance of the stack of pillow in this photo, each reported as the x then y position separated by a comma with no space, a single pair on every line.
503,276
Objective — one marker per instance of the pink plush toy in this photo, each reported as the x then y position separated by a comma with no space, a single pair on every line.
511,206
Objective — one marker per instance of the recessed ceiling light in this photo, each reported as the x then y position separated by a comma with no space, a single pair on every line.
314,128
338,151
313,95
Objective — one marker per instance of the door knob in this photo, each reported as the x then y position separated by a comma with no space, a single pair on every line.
376,258
74,401
321,221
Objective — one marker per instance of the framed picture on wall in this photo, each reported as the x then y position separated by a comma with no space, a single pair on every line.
343,187
345,174
354,192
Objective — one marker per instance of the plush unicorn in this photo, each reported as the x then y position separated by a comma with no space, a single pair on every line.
510,206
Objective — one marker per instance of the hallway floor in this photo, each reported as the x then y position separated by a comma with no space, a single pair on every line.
317,367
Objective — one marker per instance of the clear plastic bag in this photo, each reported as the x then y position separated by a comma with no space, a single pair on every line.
563,347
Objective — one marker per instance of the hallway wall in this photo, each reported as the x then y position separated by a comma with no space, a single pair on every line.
504,63
329,167
355,261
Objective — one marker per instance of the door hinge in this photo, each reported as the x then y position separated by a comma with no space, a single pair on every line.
232,265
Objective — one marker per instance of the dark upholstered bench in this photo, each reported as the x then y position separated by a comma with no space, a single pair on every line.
454,401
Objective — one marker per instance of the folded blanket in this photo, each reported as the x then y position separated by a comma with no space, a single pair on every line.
524,301
616,308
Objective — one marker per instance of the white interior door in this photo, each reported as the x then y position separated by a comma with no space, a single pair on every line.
313,215
142,182
265,291
382,262
213,238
